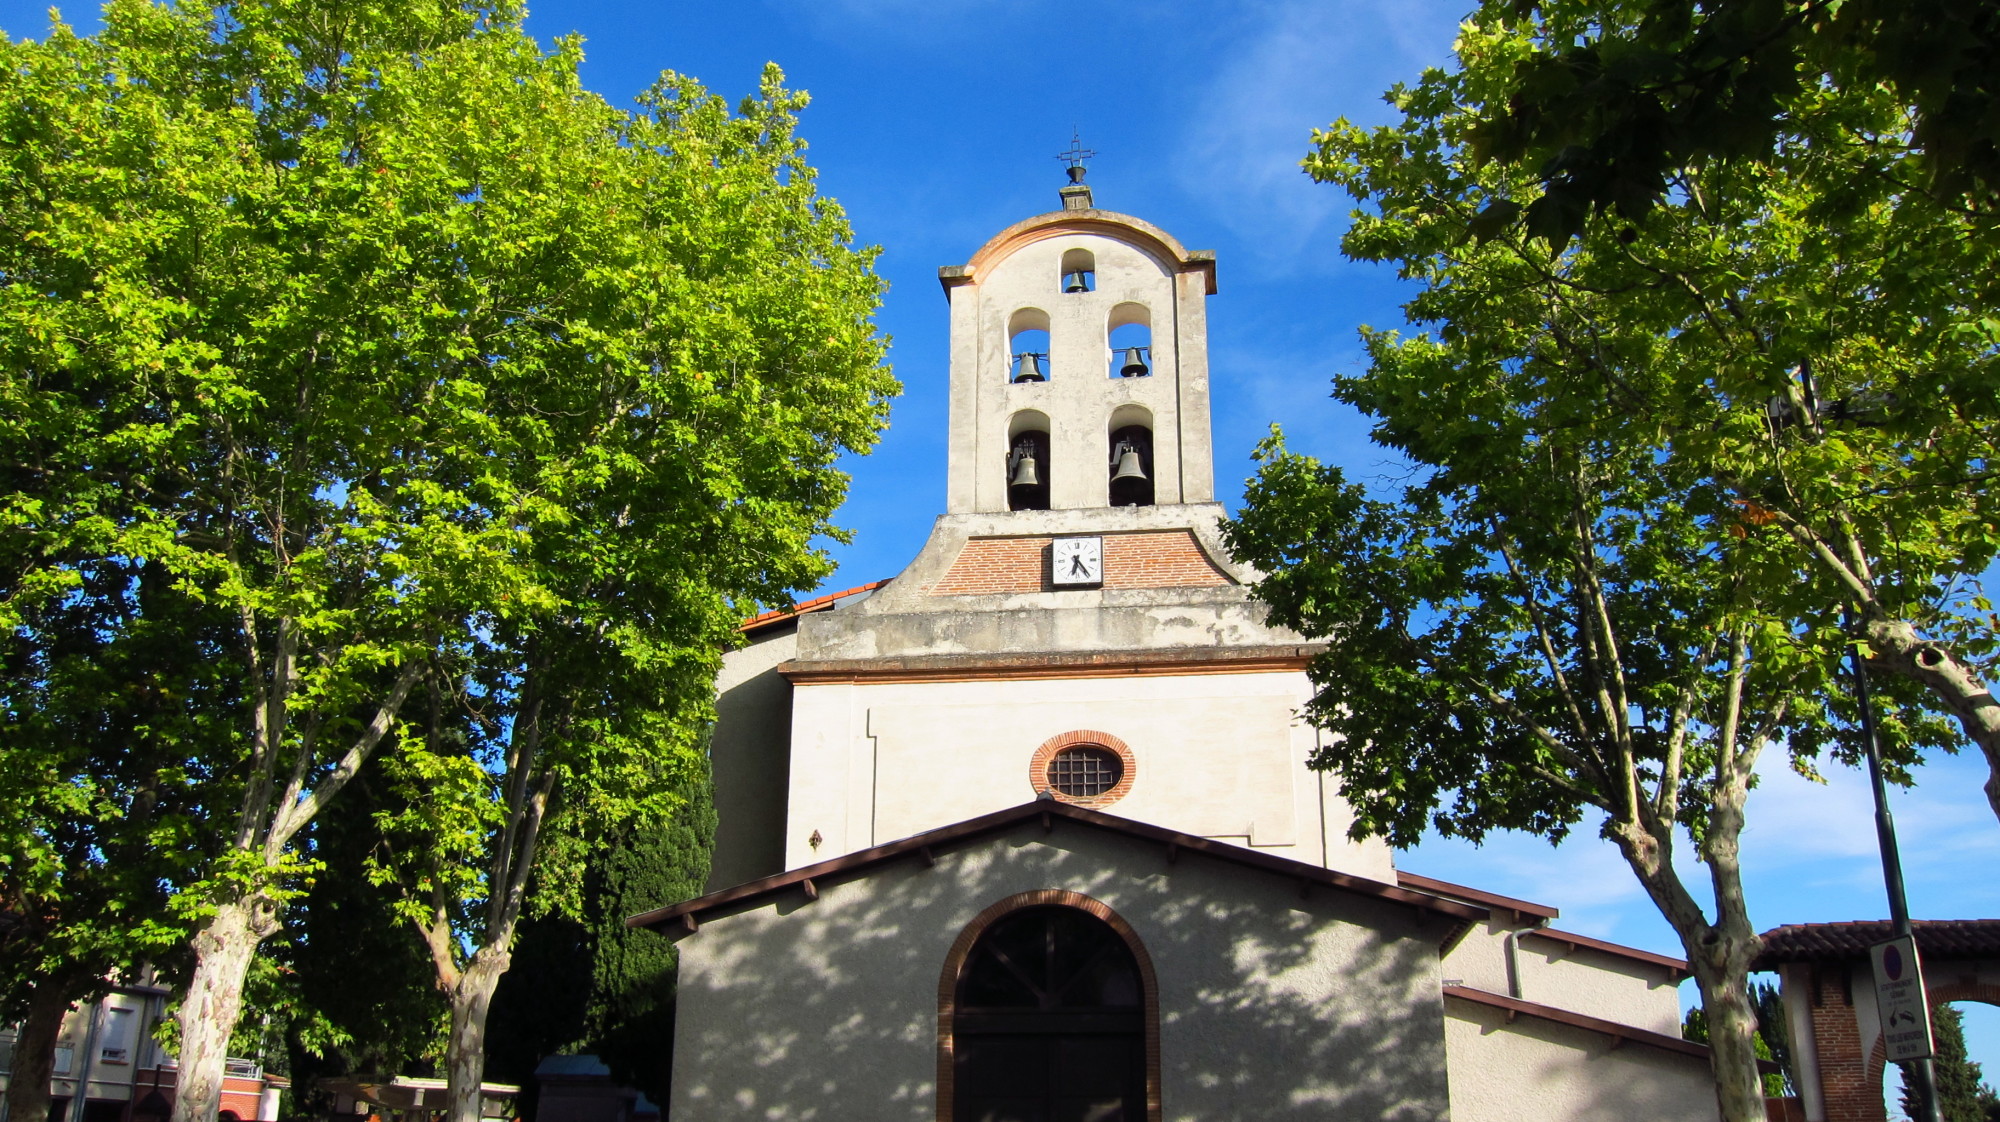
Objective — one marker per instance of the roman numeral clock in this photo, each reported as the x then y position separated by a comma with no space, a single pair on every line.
1076,561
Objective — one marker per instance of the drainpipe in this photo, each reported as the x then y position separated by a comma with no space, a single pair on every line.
1513,944
82,1095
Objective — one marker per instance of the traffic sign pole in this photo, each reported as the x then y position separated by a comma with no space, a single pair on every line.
1922,1077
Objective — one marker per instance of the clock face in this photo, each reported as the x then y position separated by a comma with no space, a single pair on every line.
1077,561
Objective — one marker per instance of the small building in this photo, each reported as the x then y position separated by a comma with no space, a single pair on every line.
1828,986
411,1098
579,1088
1028,831
108,1067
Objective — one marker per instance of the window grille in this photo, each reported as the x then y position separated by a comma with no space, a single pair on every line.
1085,771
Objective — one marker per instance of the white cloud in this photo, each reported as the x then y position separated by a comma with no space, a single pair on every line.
1813,846
1304,64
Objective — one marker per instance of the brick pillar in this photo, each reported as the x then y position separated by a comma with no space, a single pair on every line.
1851,1096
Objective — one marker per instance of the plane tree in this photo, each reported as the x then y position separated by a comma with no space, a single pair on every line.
113,702
1602,111
479,408
1607,102
1652,465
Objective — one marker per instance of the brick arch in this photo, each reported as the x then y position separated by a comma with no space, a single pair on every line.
1986,993
1038,766
954,961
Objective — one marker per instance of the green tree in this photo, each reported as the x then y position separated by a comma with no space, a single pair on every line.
1652,466
1774,1034
633,971
440,379
1963,1095
595,985
102,693
361,991
1584,113
1612,100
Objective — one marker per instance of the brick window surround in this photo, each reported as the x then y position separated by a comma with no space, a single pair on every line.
954,961
1038,766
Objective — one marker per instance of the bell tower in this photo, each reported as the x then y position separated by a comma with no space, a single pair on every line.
1079,365
1074,627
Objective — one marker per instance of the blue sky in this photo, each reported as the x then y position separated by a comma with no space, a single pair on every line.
936,122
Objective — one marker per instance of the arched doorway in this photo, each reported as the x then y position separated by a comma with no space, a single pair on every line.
1048,1017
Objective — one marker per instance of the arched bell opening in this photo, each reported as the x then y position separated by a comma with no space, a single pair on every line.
1130,335
1079,271
1049,1017
1028,461
1028,346
1131,459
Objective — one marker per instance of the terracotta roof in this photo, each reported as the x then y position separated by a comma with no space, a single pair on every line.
1491,900
926,845
803,607
1841,942
1677,966
1617,1032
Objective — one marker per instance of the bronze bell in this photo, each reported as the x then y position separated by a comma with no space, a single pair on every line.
1025,474
1129,466
1030,368
1078,281
1135,364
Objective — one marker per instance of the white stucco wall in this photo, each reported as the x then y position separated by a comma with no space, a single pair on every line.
1217,755
1134,266
1581,980
1272,1006
1534,1070
749,759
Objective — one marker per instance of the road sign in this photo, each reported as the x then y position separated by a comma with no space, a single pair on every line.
1900,1000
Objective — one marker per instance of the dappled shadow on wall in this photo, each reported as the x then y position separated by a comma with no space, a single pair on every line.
1273,1002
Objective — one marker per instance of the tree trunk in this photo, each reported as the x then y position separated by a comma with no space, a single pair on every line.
35,1052
465,1053
1732,1039
223,948
1898,648
1719,954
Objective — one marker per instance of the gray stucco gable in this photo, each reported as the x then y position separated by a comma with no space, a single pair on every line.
1277,997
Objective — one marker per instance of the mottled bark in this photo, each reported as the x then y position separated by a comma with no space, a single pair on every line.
1719,953
35,1051
1732,1033
223,949
1958,687
465,1051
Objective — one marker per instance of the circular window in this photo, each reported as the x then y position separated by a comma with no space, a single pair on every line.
1085,767
1085,771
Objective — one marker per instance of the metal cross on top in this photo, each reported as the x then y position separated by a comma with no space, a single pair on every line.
1077,153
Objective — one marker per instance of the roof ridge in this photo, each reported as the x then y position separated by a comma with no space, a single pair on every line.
924,844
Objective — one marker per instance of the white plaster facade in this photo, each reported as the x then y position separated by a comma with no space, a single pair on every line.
902,710
1142,275
1530,1070
1219,756
1536,964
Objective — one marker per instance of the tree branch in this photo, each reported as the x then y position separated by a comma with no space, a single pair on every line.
297,812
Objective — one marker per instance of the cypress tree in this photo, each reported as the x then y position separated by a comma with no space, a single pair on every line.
1963,1095
631,1014
599,986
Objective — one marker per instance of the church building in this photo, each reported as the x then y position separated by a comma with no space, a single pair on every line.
1026,833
